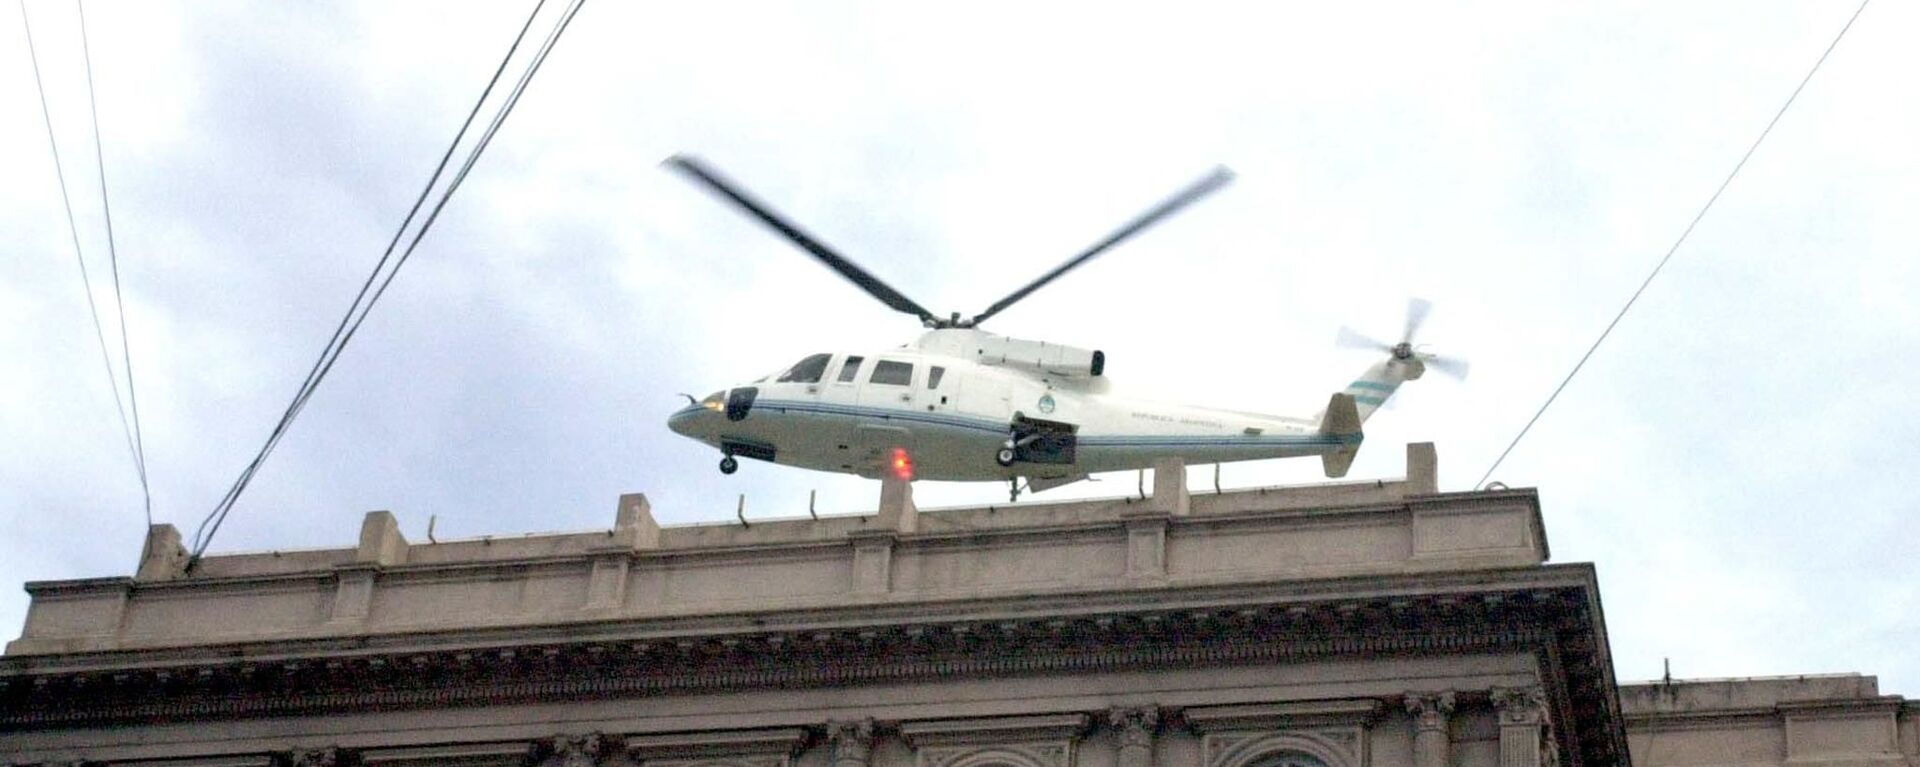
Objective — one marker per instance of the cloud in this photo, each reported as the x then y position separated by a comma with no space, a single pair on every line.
1732,459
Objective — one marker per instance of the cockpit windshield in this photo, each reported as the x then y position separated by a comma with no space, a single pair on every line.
808,370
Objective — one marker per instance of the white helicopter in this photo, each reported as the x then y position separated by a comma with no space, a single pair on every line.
960,403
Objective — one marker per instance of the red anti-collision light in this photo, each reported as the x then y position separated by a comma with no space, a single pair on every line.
902,464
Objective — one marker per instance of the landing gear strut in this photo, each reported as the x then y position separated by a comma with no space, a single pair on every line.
729,465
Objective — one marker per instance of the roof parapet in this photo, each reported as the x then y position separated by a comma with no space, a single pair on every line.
900,553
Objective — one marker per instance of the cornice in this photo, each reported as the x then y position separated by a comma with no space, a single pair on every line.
1390,595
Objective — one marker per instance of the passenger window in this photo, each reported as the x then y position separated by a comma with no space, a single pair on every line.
807,370
933,376
850,368
892,373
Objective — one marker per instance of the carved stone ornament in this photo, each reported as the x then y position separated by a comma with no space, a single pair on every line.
578,750
761,760
1135,725
320,757
1430,710
1520,705
1007,755
851,743
1333,747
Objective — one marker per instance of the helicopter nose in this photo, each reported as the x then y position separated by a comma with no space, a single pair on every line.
690,421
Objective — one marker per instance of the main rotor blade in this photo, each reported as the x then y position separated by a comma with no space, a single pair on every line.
1198,189
693,168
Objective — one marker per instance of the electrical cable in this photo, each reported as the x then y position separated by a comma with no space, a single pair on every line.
1676,244
357,313
113,259
201,534
86,281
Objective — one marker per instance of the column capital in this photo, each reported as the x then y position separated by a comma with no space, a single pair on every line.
1136,724
1430,710
578,750
318,757
1520,705
850,743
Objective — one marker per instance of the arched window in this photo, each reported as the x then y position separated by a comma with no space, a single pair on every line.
1287,759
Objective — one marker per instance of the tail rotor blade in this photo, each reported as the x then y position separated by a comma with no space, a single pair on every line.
1417,309
1452,367
1349,338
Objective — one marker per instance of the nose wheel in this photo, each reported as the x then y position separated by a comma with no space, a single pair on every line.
729,465
1005,456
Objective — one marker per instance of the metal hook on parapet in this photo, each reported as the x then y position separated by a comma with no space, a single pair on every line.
811,494
1143,484
741,511
1216,479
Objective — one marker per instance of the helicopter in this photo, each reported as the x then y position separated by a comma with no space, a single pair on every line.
963,404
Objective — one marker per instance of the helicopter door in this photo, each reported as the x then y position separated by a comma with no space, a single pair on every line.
842,385
940,391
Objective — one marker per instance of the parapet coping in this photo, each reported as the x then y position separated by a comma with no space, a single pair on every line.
636,533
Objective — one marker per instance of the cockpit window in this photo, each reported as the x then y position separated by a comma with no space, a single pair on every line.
894,373
807,370
933,376
850,368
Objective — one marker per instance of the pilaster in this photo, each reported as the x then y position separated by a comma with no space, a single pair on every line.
897,512
1146,545
633,529
1432,745
873,561
850,744
1133,732
1170,488
1522,722
162,558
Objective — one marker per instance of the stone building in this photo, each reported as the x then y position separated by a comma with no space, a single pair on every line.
1367,624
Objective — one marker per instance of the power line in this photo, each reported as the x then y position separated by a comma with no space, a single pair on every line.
113,259
357,312
86,280
1676,243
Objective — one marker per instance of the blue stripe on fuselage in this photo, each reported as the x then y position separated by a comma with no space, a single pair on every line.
1099,440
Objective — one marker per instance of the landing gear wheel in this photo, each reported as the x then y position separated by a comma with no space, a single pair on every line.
728,465
1004,457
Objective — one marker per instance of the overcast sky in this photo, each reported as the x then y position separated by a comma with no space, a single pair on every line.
1737,460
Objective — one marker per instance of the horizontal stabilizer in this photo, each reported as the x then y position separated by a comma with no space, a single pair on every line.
1342,419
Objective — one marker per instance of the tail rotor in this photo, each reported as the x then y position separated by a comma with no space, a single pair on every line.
1405,351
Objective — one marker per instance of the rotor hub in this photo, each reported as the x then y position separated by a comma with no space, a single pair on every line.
1403,350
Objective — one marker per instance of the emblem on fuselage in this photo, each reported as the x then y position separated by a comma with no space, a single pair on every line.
1046,403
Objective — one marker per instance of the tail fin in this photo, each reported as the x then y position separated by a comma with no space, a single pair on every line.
1373,387
1341,419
